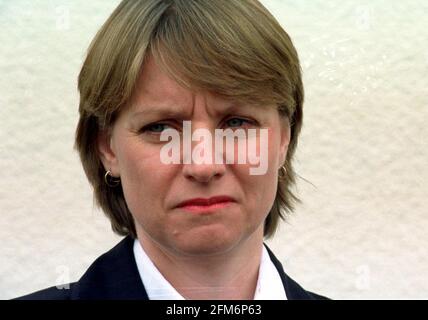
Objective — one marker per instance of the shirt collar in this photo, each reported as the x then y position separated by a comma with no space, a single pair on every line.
269,284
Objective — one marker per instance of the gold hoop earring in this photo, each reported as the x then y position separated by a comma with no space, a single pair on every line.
282,174
110,180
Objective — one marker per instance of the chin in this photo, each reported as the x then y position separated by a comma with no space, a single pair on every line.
207,242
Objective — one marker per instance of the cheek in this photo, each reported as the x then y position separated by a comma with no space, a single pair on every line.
139,164
260,189
145,182
262,154
266,151
138,161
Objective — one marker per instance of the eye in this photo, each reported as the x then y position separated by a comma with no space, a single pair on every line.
237,122
155,128
159,127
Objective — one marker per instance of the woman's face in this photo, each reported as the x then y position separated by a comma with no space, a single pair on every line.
153,189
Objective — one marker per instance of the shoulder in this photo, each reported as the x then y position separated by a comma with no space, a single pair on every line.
113,275
63,292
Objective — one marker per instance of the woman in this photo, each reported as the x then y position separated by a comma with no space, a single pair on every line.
194,229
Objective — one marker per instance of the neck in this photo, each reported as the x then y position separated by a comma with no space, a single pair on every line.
231,275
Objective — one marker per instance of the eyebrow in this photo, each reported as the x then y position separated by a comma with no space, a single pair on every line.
177,112
160,111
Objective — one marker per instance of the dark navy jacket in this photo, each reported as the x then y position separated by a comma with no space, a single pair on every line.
114,275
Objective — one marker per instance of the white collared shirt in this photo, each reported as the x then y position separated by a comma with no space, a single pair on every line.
269,284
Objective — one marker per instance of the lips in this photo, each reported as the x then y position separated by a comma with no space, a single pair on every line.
205,201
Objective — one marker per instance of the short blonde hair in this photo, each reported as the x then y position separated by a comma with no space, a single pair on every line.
234,48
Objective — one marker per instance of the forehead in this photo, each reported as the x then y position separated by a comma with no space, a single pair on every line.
157,92
156,88
155,84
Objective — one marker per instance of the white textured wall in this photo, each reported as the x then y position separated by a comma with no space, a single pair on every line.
362,229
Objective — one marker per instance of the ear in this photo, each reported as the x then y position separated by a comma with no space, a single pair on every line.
284,141
107,153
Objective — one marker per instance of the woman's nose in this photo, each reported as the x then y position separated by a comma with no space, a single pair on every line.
203,169
203,172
